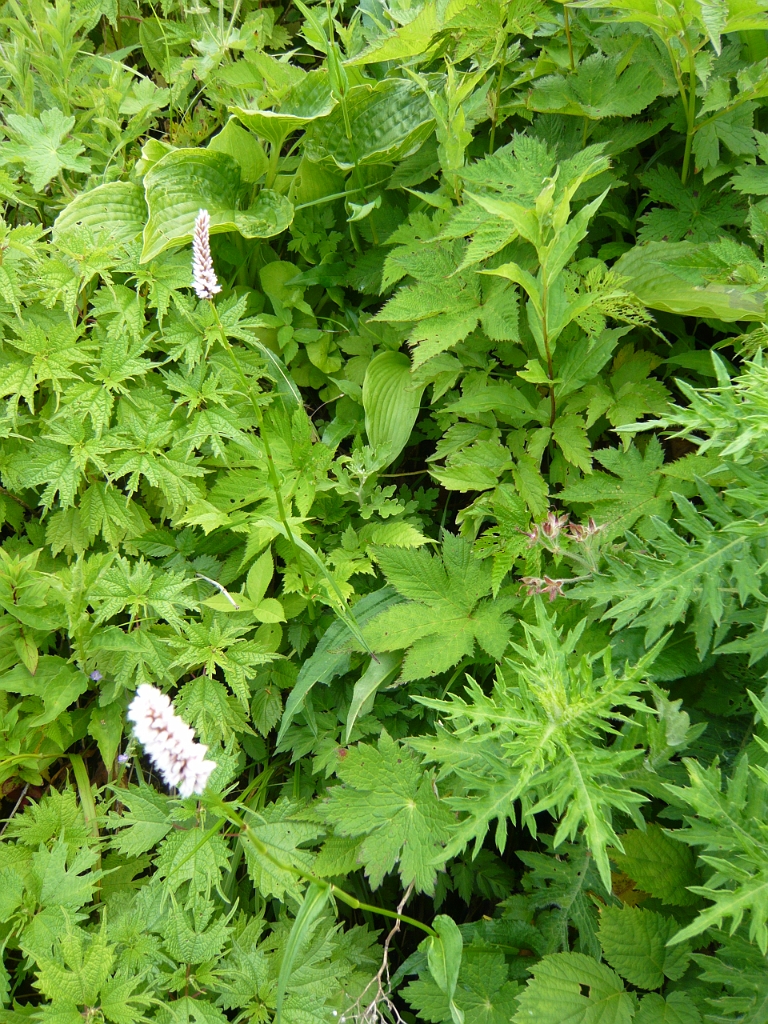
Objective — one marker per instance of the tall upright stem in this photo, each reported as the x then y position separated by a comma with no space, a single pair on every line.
548,350
691,114
567,26
271,469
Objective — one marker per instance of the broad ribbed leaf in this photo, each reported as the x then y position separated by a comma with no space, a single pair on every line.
188,180
387,122
114,212
391,401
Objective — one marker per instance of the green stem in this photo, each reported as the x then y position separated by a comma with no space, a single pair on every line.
495,118
548,351
274,157
567,24
271,469
691,131
88,804
351,901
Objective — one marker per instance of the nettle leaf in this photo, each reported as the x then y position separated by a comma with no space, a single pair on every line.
275,854
677,1008
659,865
390,800
634,942
188,944
600,87
60,878
144,824
81,964
574,987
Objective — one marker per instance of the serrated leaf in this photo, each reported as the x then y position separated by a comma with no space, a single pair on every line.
634,942
575,988
677,1008
388,799
659,865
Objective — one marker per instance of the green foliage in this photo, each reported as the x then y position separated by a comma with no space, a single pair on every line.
490,330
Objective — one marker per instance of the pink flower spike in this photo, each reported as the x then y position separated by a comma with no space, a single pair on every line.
204,279
169,742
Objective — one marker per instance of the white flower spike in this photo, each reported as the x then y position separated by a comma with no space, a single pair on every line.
169,742
204,278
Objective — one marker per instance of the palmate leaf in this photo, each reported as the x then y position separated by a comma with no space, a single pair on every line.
632,489
390,800
698,214
39,145
446,612
137,587
483,993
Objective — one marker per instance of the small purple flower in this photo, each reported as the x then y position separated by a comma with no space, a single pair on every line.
123,758
96,676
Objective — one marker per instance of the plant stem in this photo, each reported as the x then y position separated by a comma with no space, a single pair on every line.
351,901
567,26
495,118
271,469
547,349
691,115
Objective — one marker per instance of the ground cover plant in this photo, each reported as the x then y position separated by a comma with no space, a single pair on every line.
435,503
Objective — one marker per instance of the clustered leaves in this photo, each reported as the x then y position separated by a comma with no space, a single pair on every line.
383,400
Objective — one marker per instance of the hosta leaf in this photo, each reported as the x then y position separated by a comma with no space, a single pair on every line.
187,180
115,212
388,122
391,401
660,288
307,101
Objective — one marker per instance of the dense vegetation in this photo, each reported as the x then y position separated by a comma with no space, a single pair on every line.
444,523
